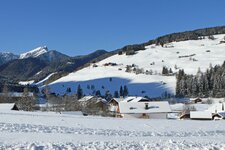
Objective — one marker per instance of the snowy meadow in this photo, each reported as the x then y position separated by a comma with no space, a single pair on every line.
49,130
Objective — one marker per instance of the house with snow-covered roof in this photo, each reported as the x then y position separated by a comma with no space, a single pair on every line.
135,99
151,110
113,104
216,109
87,99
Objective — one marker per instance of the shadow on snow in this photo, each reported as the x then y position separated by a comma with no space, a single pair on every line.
89,87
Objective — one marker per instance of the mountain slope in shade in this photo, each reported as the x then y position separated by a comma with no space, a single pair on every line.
21,68
39,63
112,72
34,53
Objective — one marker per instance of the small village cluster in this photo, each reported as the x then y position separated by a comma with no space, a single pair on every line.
141,107
196,108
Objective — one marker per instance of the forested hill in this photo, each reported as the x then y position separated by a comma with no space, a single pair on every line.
204,84
176,37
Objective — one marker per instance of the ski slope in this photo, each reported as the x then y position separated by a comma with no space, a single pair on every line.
188,55
49,130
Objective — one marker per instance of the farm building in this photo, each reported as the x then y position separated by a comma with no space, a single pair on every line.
8,107
92,105
113,106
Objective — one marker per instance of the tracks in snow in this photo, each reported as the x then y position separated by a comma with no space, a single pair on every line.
30,128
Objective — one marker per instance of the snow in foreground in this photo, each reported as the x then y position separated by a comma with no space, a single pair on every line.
36,130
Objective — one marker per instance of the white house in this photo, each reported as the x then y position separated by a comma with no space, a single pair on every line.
214,109
151,110
113,104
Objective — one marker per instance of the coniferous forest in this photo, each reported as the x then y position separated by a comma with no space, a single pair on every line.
208,84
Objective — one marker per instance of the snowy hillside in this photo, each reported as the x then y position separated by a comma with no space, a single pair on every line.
48,130
34,53
110,73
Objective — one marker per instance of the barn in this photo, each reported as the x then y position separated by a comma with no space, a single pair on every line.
8,107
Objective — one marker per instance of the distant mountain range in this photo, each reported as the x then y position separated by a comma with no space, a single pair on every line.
40,62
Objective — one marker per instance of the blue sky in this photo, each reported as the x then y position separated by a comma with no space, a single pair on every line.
77,27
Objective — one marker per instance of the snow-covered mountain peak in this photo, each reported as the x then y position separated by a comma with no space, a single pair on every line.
35,52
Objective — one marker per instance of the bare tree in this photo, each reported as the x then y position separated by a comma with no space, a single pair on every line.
71,103
5,97
26,102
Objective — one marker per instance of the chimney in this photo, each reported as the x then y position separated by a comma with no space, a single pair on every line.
146,106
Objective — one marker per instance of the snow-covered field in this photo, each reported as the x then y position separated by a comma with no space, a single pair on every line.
45,130
188,55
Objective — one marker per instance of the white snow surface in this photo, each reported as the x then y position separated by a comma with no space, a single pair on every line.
40,83
188,55
26,82
6,106
34,53
48,130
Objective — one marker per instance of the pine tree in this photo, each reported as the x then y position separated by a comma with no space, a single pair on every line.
79,92
116,94
98,93
121,91
125,91
5,92
165,70
170,71
68,90
47,93
108,95
26,102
